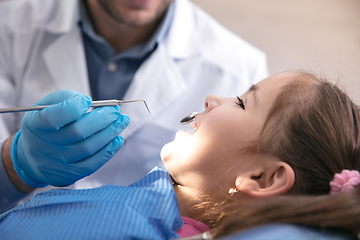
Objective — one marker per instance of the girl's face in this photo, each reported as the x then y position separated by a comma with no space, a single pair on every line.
210,159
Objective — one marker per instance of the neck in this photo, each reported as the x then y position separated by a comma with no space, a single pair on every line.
120,36
187,200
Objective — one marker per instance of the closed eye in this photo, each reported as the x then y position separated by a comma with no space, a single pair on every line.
240,102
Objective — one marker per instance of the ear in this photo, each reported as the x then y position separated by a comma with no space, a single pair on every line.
274,179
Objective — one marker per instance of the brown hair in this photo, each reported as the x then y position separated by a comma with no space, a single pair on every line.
314,127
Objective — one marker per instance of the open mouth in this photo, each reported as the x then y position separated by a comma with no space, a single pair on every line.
190,119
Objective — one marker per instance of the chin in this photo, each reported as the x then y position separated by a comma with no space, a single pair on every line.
165,152
170,156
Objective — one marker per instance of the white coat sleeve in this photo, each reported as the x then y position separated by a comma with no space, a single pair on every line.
260,70
9,69
9,194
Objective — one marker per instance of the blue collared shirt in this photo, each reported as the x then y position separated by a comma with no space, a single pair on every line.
110,73
147,209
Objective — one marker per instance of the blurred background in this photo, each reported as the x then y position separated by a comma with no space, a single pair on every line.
322,36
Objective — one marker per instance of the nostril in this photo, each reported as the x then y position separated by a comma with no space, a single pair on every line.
211,101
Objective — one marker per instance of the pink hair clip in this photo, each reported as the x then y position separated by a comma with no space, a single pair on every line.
344,181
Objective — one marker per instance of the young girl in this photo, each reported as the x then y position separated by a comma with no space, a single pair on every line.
287,151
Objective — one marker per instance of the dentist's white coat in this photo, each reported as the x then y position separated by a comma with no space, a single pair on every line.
41,51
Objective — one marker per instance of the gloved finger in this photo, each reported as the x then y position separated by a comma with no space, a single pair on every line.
101,157
87,125
89,146
87,166
57,97
60,114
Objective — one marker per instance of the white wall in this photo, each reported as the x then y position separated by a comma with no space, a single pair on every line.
318,35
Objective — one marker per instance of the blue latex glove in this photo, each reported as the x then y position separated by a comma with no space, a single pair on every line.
64,143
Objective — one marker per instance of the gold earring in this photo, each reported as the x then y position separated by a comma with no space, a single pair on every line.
232,191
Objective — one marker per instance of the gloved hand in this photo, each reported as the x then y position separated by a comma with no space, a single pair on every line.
64,143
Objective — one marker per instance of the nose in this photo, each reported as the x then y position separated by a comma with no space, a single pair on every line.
212,101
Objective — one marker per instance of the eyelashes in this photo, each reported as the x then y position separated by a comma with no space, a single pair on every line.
240,102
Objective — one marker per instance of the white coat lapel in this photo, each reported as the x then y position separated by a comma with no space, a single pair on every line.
65,59
183,41
158,82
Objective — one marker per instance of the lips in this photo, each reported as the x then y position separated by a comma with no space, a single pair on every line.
140,3
182,133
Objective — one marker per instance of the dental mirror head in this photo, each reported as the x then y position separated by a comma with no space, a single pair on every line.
189,118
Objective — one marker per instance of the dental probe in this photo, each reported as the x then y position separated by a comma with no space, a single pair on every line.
101,103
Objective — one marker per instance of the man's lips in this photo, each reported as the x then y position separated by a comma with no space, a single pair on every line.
140,3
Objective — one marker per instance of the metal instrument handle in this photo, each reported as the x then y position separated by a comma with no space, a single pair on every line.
101,103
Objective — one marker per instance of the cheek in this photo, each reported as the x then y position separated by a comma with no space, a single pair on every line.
225,135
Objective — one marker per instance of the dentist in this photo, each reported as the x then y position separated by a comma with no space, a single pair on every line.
169,53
